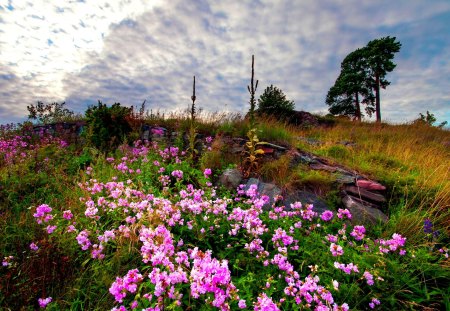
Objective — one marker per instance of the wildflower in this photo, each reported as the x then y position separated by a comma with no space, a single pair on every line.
336,250
241,304
373,303
67,214
43,213
50,229
7,261
427,226
358,232
344,213
207,172
265,303
369,278
327,215
335,284
43,302
177,174
34,247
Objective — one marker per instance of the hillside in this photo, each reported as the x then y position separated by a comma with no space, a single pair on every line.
156,223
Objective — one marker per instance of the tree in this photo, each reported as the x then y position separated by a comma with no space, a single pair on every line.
274,102
351,88
107,126
363,72
379,56
48,113
429,119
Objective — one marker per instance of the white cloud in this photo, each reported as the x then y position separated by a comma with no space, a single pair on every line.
129,51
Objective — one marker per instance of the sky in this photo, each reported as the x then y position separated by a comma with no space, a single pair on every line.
129,51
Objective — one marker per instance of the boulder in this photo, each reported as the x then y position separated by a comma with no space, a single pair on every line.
362,214
231,178
306,197
365,194
269,189
303,119
369,185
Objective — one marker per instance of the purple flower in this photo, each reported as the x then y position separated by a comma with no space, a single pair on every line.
67,215
43,302
34,247
241,304
207,172
336,250
358,232
373,303
327,215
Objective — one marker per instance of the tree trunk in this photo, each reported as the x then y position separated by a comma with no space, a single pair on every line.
358,108
377,97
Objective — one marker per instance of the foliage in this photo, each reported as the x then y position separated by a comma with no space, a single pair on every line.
379,56
143,228
363,72
49,113
351,88
108,126
252,152
429,119
273,102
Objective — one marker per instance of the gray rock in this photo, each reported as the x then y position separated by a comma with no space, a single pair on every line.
271,190
345,179
362,214
231,178
306,198
365,194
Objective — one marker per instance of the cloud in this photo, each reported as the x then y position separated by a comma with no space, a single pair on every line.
134,50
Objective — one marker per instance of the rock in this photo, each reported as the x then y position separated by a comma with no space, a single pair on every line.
306,198
267,150
303,119
347,143
369,185
365,203
271,190
362,214
363,193
310,141
345,178
323,167
231,178
272,146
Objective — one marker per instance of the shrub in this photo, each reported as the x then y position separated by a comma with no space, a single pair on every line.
107,126
274,102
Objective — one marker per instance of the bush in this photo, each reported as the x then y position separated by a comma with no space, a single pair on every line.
107,126
274,102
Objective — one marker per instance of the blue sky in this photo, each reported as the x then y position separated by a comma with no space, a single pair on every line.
135,50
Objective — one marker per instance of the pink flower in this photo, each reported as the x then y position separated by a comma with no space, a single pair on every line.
336,250
344,213
43,302
358,233
67,215
34,247
241,304
43,213
327,215
50,229
207,172
369,278
373,303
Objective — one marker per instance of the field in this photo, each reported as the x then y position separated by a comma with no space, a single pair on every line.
146,225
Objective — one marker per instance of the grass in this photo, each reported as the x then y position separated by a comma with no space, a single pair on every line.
409,159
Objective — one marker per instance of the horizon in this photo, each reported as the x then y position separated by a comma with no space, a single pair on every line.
130,52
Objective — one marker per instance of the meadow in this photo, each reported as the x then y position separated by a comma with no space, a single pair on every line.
145,226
